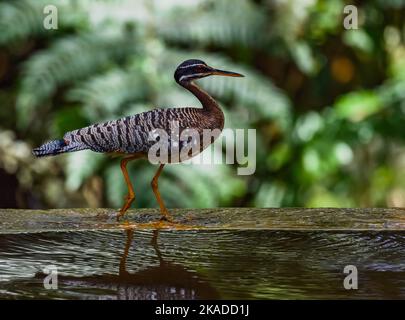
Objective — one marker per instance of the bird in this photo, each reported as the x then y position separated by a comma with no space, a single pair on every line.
130,137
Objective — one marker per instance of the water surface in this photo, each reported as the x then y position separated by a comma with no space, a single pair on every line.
197,264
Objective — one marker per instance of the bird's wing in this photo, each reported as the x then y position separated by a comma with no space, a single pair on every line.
110,136
131,134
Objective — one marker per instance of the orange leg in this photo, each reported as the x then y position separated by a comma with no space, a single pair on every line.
131,194
165,214
123,261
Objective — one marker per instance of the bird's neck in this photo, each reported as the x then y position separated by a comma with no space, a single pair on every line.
208,102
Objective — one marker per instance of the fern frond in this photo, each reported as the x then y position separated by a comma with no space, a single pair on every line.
23,19
217,22
80,166
203,184
256,94
104,94
66,61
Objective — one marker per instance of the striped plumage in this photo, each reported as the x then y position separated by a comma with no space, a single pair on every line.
55,147
130,136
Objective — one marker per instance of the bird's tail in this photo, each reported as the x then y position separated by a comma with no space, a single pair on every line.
54,147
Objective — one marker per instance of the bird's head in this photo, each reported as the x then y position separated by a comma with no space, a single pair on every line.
193,69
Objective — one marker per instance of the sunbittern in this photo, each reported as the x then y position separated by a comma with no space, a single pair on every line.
130,136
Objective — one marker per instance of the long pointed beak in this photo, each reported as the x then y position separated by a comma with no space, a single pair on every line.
226,73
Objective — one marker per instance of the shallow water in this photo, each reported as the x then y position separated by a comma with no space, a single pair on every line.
195,264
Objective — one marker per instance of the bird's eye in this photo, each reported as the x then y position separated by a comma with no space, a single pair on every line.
202,69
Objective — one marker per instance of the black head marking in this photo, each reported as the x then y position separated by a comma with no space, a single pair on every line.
191,69
190,62
194,69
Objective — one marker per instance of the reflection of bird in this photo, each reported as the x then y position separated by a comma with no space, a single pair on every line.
131,136
165,280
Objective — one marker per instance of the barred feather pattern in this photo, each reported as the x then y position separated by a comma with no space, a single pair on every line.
132,134
55,147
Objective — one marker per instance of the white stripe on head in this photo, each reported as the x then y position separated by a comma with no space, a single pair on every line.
192,65
185,77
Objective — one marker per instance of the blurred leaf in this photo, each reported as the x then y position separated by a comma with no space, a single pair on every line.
324,198
219,25
67,120
359,39
359,105
108,92
66,61
24,18
270,195
278,156
303,56
80,166
308,125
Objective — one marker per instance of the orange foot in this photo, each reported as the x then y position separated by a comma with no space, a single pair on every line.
159,225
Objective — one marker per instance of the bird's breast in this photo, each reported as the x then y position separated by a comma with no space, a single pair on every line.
186,133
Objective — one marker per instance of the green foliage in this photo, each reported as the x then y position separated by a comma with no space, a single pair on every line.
357,106
20,20
105,94
205,25
67,60
327,103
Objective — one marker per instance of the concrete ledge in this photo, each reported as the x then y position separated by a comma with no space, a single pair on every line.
378,219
